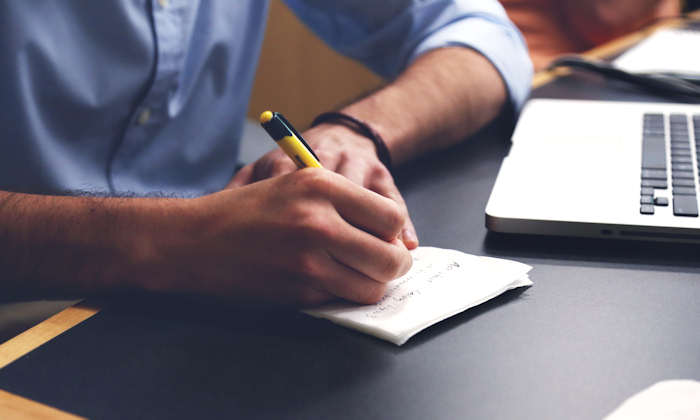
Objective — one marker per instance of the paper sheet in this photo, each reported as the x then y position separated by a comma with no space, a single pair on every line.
677,399
441,283
666,50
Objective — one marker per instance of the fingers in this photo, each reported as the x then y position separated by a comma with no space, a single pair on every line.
327,274
380,181
383,184
379,260
243,177
271,165
305,295
354,170
367,210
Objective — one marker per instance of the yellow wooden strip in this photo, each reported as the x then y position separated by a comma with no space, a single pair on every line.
34,337
545,76
13,407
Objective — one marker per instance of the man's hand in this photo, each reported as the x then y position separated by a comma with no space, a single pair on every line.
345,152
303,238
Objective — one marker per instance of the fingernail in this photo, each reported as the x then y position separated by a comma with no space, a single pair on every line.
409,237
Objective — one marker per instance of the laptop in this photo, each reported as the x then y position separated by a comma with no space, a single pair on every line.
626,170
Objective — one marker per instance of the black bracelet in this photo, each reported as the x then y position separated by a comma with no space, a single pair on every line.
360,127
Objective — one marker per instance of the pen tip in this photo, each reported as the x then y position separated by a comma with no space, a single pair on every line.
265,117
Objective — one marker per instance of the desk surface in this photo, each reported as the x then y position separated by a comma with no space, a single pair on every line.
603,320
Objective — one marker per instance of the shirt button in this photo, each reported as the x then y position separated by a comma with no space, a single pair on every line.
144,116
163,3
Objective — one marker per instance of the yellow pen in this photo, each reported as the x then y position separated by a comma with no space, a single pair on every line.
289,140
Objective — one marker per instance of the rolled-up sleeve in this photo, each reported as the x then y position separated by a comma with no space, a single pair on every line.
388,35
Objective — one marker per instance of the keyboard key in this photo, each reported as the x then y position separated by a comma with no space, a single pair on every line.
674,118
685,205
683,191
683,183
682,167
647,191
655,183
680,141
646,199
680,137
680,153
653,174
661,201
682,175
653,156
681,159
646,209
654,136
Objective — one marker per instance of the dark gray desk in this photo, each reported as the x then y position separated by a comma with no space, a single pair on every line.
603,321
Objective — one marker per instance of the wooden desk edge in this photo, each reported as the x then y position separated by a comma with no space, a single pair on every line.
44,332
18,408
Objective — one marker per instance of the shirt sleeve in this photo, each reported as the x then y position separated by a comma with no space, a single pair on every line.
388,35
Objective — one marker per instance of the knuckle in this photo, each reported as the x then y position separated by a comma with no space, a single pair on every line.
308,267
312,225
394,266
325,155
371,293
310,297
309,175
395,216
380,172
408,263
279,166
322,230
314,181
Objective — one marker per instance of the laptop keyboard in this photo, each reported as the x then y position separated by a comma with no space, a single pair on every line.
685,163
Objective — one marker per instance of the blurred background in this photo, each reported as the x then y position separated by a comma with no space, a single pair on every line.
316,79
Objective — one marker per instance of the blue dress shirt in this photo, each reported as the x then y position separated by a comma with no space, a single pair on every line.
144,96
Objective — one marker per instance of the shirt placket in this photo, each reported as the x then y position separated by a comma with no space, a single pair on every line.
169,32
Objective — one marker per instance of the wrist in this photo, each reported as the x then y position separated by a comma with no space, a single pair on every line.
338,134
359,127
156,230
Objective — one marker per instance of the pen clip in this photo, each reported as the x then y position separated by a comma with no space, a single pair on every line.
291,128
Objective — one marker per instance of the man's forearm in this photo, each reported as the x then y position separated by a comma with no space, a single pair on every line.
74,244
329,238
440,99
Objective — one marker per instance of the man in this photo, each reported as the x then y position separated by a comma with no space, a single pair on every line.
133,99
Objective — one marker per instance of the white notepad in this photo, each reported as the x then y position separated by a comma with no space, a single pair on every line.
441,283
676,399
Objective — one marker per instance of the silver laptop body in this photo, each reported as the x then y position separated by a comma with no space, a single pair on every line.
601,169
